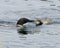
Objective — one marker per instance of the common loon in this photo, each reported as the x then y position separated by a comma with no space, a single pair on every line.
46,21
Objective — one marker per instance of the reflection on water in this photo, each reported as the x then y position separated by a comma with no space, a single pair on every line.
22,31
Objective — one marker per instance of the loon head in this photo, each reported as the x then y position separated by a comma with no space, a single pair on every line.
22,21
38,22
